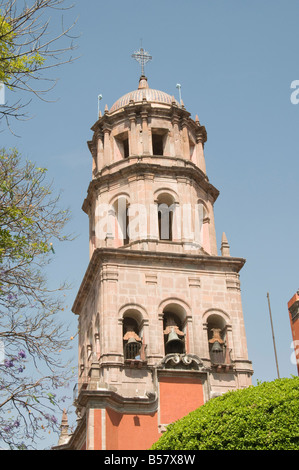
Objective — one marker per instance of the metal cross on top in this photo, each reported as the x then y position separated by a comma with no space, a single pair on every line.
142,57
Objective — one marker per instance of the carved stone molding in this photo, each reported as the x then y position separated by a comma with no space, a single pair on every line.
151,279
233,283
194,281
181,361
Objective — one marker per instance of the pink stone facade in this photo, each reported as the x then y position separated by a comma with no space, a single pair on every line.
151,308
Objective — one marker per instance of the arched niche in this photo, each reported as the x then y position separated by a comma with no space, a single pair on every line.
119,219
217,326
174,328
132,334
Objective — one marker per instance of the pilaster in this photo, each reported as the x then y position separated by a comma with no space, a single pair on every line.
145,132
107,145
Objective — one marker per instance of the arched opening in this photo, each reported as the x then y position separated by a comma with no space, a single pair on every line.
166,208
219,353
173,329
133,347
120,210
131,338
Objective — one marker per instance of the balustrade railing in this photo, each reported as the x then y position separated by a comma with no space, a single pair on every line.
221,357
135,352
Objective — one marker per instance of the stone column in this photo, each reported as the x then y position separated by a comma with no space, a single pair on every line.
200,159
100,151
229,341
212,231
97,344
186,147
201,137
153,221
145,133
93,150
176,136
107,146
177,222
205,353
189,336
132,135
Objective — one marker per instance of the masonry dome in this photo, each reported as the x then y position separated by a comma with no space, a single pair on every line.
144,92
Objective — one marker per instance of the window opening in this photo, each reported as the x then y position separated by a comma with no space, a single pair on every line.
121,220
122,145
165,207
158,144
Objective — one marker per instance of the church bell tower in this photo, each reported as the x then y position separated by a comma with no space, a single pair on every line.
161,327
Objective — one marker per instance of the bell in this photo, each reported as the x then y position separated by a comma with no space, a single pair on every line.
132,340
172,336
174,344
216,348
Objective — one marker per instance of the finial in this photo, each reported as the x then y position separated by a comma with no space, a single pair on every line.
179,86
99,111
64,427
142,83
224,246
142,58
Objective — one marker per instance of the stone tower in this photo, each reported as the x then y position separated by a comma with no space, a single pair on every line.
161,326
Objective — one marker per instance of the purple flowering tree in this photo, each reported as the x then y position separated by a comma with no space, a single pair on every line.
33,339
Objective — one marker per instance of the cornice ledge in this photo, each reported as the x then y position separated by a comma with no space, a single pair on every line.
119,401
135,165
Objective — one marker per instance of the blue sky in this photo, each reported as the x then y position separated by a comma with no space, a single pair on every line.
235,61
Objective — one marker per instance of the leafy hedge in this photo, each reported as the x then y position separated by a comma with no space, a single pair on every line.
262,417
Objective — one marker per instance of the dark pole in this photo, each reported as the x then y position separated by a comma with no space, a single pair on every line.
273,335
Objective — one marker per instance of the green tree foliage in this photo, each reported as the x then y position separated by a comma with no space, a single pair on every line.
32,335
29,50
30,220
264,417
12,62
